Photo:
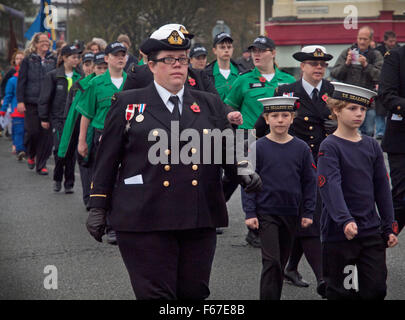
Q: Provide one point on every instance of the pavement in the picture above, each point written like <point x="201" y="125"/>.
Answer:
<point x="40" y="228"/>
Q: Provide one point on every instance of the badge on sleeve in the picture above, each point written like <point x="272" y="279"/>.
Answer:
<point x="321" y="181"/>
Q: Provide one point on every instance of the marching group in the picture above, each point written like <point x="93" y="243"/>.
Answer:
<point x="319" y="171"/>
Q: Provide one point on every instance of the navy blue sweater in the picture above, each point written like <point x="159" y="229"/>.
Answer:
<point x="288" y="174"/>
<point x="352" y="178"/>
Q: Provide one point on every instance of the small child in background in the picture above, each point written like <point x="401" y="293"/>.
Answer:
<point x="352" y="179"/>
<point x="286" y="167"/>
<point x="10" y="99"/>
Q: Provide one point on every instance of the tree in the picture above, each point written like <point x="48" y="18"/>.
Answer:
<point x="26" y="6"/>
<point x="138" y="19"/>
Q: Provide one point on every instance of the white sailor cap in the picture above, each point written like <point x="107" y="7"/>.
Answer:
<point x="315" y="52"/>
<point x="278" y="104"/>
<point x="353" y="94"/>
<point x="165" y="38"/>
<point x="179" y="27"/>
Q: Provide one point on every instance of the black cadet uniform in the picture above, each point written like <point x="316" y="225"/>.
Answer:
<point x="164" y="214"/>
<point x="392" y="93"/>
<point x="312" y="124"/>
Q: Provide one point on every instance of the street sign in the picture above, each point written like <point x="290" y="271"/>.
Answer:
<point x="220" y="27"/>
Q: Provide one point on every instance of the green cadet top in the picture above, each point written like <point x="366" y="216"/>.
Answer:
<point x="223" y="85"/>
<point x="95" y="103"/>
<point x="72" y="118"/>
<point x="248" y="88"/>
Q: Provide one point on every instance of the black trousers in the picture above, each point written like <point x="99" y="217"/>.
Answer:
<point x="276" y="236"/>
<point x="63" y="166"/>
<point x="85" y="177"/>
<point x="169" y="265"/>
<point x="37" y="140"/>
<point x="397" y="172"/>
<point x="368" y="254"/>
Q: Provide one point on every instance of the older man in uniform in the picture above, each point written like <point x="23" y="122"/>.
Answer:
<point x="392" y="94"/>
<point x="164" y="212"/>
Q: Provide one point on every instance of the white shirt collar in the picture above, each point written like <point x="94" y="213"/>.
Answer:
<point x="309" y="87"/>
<point x="165" y="95"/>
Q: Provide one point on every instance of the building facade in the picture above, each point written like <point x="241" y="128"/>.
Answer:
<point x="333" y="24"/>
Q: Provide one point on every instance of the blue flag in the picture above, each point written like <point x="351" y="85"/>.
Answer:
<point x="43" y="23"/>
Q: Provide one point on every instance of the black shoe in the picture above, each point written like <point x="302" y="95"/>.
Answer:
<point x="219" y="231"/>
<point x="252" y="238"/>
<point x="69" y="190"/>
<point x="57" y="186"/>
<point x="111" y="237"/>
<point x="295" y="278"/>
<point x="321" y="289"/>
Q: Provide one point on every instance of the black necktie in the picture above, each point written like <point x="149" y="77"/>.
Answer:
<point x="176" y="110"/>
<point x="315" y="96"/>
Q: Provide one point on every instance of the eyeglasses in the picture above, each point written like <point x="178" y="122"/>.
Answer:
<point x="323" y="64"/>
<point x="257" y="50"/>
<point x="170" y="60"/>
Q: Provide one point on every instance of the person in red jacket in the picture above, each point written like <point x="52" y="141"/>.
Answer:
<point x="10" y="100"/>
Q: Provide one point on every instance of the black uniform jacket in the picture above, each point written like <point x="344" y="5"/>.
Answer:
<point x="167" y="196"/>
<point x="54" y="93"/>
<point x="310" y="118"/>
<point x="392" y="94"/>
<point x="141" y="76"/>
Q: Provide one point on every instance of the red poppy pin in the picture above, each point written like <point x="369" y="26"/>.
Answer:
<point x="371" y="100"/>
<point x="195" y="107"/>
<point x="325" y="97"/>
<point x="191" y="81"/>
<point x="262" y="79"/>
<point x="297" y="104"/>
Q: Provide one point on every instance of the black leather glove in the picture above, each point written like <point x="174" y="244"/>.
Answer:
<point x="251" y="182"/>
<point x="96" y="223"/>
<point x="248" y="177"/>
<point x="330" y="126"/>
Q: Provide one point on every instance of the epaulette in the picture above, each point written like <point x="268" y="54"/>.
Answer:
<point x="244" y="72"/>
<point x="387" y="54"/>
<point x="114" y="98"/>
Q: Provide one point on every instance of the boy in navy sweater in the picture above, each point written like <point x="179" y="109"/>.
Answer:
<point x="352" y="178"/>
<point x="286" y="167"/>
